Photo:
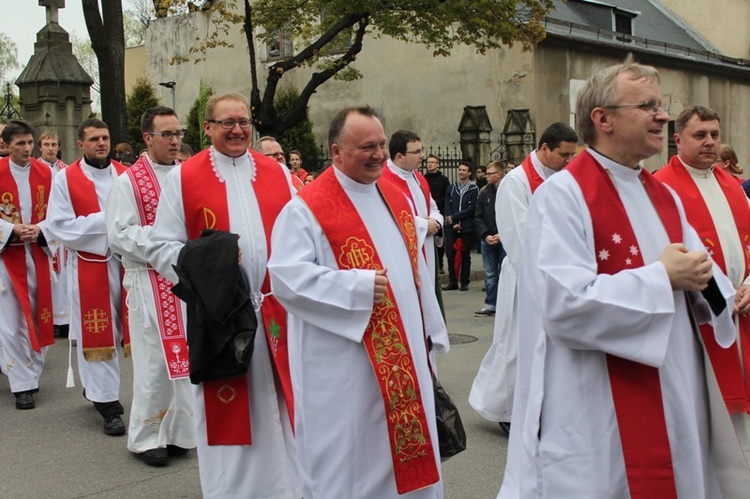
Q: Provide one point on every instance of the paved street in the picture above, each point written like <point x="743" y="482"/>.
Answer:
<point x="58" y="449"/>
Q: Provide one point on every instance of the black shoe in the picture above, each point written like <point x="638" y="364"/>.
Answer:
<point x="176" y="451"/>
<point x="24" y="400"/>
<point x="61" y="331"/>
<point x="450" y="287"/>
<point x="113" y="426"/>
<point x="154" y="457"/>
<point x="485" y="312"/>
<point x="505" y="428"/>
<point x="464" y="287"/>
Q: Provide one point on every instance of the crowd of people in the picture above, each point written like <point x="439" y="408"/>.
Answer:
<point x="284" y="323"/>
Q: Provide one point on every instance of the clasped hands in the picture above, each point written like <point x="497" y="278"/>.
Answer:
<point x="26" y="233"/>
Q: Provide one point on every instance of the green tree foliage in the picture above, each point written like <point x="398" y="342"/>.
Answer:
<point x="329" y="34"/>
<point x="141" y="98"/>
<point x="300" y="136"/>
<point x="194" y="135"/>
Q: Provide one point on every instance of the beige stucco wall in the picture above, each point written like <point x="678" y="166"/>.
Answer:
<point x="224" y="69"/>
<point x="409" y="87"/>
<point x="724" y="23"/>
<point x="414" y="90"/>
<point x="135" y="65"/>
<point x="680" y="88"/>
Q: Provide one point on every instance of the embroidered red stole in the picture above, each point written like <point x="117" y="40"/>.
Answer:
<point x="205" y="203"/>
<point x="146" y="191"/>
<point x="734" y="384"/>
<point x="403" y="185"/>
<point x="93" y="277"/>
<point x="636" y="389"/>
<point x="535" y="180"/>
<point x="385" y="338"/>
<point x="40" y="328"/>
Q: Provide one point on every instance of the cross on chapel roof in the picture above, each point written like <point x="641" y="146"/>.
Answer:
<point x="52" y="7"/>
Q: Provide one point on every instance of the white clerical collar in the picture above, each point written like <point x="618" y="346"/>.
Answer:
<point x="15" y="166"/>
<point x="404" y="174"/>
<point x="92" y="172"/>
<point x="617" y="170"/>
<point x="352" y="185"/>
<point x="154" y="164"/>
<point x="697" y="172"/>
<point x="218" y="159"/>
<point x="540" y="167"/>
<point x="51" y="165"/>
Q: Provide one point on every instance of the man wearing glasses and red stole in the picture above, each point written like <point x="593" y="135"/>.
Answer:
<point x="161" y="416"/>
<point x="613" y="398"/>
<point x="244" y="422"/>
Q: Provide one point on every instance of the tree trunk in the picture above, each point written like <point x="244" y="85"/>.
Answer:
<point x="108" y="41"/>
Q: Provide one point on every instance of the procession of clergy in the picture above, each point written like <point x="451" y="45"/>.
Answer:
<point x="312" y="314"/>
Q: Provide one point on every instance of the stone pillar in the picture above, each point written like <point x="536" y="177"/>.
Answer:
<point x="520" y="135"/>
<point x="475" y="131"/>
<point x="55" y="91"/>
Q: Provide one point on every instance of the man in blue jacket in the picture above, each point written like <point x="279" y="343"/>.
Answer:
<point x="460" y="202"/>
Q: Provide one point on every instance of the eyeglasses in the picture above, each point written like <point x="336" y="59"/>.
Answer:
<point x="418" y="151"/>
<point x="168" y="135"/>
<point x="492" y="173"/>
<point x="229" y="124"/>
<point x="651" y="106"/>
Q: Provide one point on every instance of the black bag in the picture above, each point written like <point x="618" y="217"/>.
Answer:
<point x="450" y="429"/>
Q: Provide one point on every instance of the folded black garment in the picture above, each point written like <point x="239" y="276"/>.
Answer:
<point x="221" y="320"/>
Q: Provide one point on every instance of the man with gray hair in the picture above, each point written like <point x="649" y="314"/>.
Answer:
<point x="613" y="398"/>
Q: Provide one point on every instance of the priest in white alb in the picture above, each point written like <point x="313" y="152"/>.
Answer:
<point x="494" y="385"/>
<point x="243" y="424"/>
<point x="719" y="212"/>
<point x="402" y="169"/>
<point x="25" y="287"/>
<point x="161" y="415"/>
<point x="98" y="318"/>
<point x="348" y="267"/>
<point x="620" y="399"/>
<point x="49" y="146"/>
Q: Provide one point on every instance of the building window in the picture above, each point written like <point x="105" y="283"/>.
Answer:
<point x="280" y="45"/>
<point x="623" y="23"/>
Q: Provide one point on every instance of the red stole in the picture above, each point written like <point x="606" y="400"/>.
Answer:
<point x="735" y="386"/>
<point x="205" y="203"/>
<point x="636" y="389"/>
<point x="403" y="185"/>
<point x="296" y="182"/>
<point x="97" y="330"/>
<point x="146" y="191"/>
<point x="385" y="338"/>
<point x="40" y="329"/>
<point x="535" y="180"/>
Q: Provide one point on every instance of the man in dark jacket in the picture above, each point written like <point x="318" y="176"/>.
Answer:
<point x="486" y="227"/>
<point x="439" y="185"/>
<point x="460" y="202"/>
